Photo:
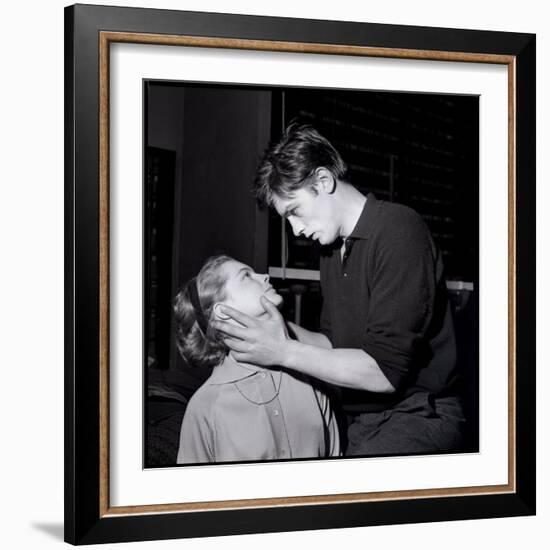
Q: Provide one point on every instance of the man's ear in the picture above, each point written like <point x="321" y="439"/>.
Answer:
<point x="218" y="313"/>
<point x="324" y="180"/>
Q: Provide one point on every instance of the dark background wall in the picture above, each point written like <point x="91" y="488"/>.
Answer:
<point x="416" y="149"/>
<point x="224" y="133"/>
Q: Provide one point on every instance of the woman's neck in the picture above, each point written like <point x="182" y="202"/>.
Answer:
<point x="249" y="366"/>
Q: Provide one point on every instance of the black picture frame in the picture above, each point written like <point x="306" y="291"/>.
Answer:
<point x="88" y="517"/>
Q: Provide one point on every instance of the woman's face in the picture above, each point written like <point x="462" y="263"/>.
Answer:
<point x="244" y="287"/>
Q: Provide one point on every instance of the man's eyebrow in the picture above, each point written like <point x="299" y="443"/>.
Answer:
<point x="288" y="209"/>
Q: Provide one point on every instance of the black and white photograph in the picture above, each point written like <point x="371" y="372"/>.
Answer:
<point x="311" y="265"/>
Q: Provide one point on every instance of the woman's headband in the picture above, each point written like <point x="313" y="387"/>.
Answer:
<point x="196" y="303"/>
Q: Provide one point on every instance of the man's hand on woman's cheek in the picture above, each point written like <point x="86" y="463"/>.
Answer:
<point x="257" y="340"/>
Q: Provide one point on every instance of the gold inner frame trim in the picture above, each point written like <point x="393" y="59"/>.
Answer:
<point x="512" y="274"/>
<point x="105" y="39"/>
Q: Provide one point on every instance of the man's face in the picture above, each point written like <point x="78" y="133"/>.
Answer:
<point x="310" y="213"/>
<point x="244" y="287"/>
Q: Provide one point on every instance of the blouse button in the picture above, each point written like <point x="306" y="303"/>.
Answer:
<point x="276" y="412"/>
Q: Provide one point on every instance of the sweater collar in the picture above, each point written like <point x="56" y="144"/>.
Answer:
<point x="230" y="371"/>
<point x="367" y="220"/>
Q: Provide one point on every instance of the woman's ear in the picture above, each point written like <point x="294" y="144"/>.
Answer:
<point x="218" y="313"/>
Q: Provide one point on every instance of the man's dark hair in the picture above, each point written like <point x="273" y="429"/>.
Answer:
<point x="288" y="165"/>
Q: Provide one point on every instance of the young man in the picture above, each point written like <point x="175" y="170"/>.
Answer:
<point x="387" y="337"/>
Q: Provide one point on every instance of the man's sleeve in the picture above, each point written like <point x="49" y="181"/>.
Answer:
<point x="403" y="292"/>
<point x="196" y="436"/>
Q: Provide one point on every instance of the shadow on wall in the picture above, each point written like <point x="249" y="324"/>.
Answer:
<point x="54" y="530"/>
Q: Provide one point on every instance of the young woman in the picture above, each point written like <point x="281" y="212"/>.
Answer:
<point x="244" y="412"/>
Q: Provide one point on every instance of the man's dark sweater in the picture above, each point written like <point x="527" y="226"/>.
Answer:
<point x="388" y="296"/>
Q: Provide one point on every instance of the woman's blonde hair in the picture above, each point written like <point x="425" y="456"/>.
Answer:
<point x="197" y="346"/>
